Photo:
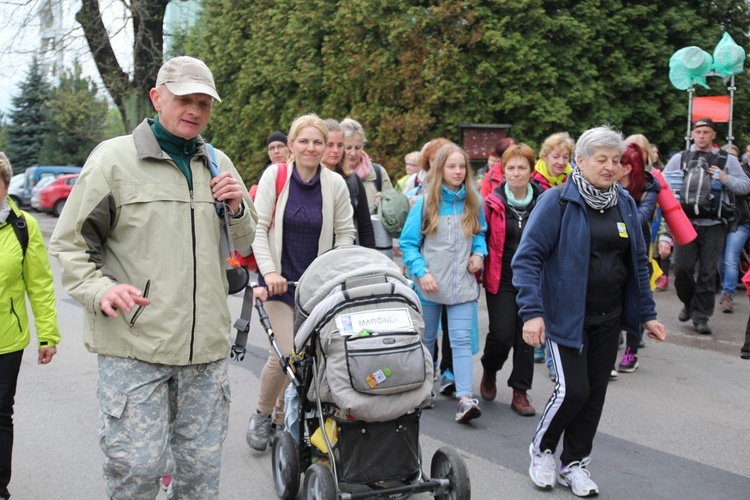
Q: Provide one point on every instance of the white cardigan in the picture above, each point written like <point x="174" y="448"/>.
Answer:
<point x="338" y="216"/>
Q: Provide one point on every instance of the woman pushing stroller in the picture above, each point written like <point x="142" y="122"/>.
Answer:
<point x="310" y="215"/>
<point x="443" y="245"/>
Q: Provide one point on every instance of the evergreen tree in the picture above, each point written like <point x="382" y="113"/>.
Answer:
<point x="77" y="118"/>
<point x="28" y="124"/>
<point x="411" y="70"/>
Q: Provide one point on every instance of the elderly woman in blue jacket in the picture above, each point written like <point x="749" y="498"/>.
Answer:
<point x="443" y="246"/>
<point x="582" y="276"/>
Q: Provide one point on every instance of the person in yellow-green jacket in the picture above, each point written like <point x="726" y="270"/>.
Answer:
<point x="23" y="271"/>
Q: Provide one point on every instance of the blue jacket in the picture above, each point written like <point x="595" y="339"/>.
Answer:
<point x="551" y="266"/>
<point x="447" y="252"/>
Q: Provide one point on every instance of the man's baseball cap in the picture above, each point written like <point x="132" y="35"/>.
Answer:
<point x="187" y="75"/>
<point x="704" y="122"/>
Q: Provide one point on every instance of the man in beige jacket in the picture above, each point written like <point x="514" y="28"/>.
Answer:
<point x="139" y="248"/>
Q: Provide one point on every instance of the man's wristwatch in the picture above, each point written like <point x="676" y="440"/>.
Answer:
<point x="240" y="213"/>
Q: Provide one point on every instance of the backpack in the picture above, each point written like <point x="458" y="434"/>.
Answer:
<point x="249" y="262"/>
<point x="394" y="208"/>
<point x="700" y="194"/>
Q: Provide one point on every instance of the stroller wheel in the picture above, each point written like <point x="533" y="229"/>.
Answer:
<point x="319" y="483"/>
<point x="285" y="463"/>
<point x="448" y="464"/>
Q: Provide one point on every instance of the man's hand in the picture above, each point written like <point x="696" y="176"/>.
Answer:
<point x="226" y="188"/>
<point x="122" y="296"/>
<point x="534" y="332"/>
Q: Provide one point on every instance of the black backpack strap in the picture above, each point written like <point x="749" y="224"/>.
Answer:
<point x="21" y="229"/>
<point x="378" y="177"/>
<point x="560" y="200"/>
<point x="239" y="348"/>
<point x="723" y="156"/>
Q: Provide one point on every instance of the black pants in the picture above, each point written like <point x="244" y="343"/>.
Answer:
<point x="506" y="333"/>
<point x="578" y="399"/>
<point x="10" y="365"/>
<point x="446" y="362"/>
<point x="698" y="295"/>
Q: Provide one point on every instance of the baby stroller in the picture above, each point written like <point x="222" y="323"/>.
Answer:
<point x="360" y="376"/>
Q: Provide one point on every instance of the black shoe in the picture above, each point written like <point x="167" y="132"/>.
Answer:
<point x="745" y="355"/>
<point x="684" y="315"/>
<point x="702" y="328"/>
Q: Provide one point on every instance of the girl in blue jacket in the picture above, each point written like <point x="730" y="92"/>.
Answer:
<point x="443" y="246"/>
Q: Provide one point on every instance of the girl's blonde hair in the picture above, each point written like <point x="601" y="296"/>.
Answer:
<point x="343" y="166"/>
<point x="470" y="217"/>
<point x="304" y="121"/>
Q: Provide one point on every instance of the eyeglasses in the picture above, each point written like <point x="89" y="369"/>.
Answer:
<point x="411" y="164"/>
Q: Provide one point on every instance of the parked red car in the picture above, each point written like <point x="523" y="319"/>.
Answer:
<point x="52" y="198"/>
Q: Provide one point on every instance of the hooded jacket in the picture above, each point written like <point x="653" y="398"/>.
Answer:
<point x="131" y="218"/>
<point x="494" y="211"/>
<point x="20" y="277"/>
<point x="446" y="253"/>
<point x="551" y="265"/>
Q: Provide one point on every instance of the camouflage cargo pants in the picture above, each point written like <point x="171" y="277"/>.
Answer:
<point x="156" y="420"/>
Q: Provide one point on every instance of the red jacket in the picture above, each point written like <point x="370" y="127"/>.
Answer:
<point x="494" y="212"/>
<point x="492" y="179"/>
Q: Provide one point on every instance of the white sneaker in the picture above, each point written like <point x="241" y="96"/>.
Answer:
<point x="543" y="468"/>
<point x="613" y="374"/>
<point x="468" y="409"/>
<point x="576" y="477"/>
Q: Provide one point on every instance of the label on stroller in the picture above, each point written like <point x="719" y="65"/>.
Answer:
<point x="374" y="321"/>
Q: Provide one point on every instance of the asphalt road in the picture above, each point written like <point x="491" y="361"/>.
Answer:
<point x="679" y="427"/>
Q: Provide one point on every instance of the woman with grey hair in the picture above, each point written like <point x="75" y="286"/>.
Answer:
<point x="582" y="277"/>
<point x="374" y="176"/>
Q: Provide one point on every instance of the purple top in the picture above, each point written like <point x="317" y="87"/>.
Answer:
<point x="303" y="221"/>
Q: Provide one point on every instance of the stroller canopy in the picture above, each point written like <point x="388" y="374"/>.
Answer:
<point x="332" y="269"/>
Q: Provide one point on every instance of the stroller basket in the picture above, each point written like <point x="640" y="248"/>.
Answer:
<point x="370" y="452"/>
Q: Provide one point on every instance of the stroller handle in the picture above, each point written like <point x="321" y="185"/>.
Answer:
<point x="266" y="323"/>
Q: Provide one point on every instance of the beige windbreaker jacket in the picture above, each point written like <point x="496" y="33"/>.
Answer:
<point x="131" y="218"/>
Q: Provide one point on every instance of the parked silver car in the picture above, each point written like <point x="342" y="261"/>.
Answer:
<point x="43" y="182"/>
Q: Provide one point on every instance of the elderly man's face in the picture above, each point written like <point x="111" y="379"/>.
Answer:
<point x="185" y="116"/>
<point x="601" y="168"/>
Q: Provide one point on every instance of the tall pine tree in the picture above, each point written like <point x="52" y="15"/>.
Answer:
<point x="28" y="126"/>
<point x="77" y="119"/>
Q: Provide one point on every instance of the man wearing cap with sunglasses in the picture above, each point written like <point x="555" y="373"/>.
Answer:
<point x="697" y="295"/>
<point x="139" y="248"/>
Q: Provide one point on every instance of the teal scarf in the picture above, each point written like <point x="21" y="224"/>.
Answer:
<point x="519" y="203"/>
